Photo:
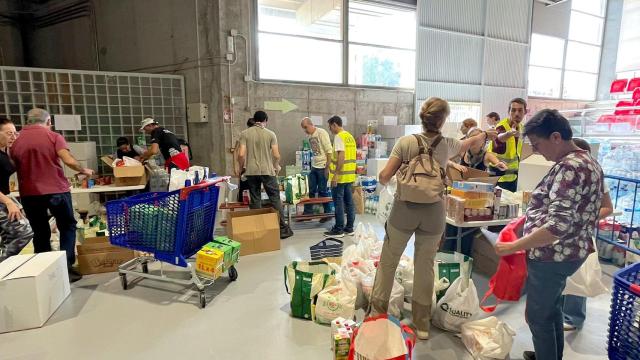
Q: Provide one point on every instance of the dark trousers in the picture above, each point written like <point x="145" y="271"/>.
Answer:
<point x="343" y="202"/>
<point x="270" y="184"/>
<point x="242" y="186"/>
<point x="317" y="188"/>
<point x="545" y="283"/>
<point x="451" y="243"/>
<point x="60" y="206"/>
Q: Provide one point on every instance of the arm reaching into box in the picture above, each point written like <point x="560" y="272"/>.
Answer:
<point x="71" y="162"/>
<point x="153" y="150"/>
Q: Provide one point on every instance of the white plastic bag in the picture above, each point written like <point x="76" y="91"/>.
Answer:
<point x="439" y="285"/>
<point x="366" y="242"/>
<point x="457" y="306"/>
<point x="396" y="301"/>
<point x="127" y="161"/>
<point x="404" y="275"/>
<point x="488" y="338"/>
<point x="385" y="201"/>
<point x="178" y="177"/>
<point x="336" y="301"/>
<point x="587" y="281"/>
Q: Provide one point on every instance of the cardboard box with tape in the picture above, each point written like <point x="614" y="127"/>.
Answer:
<point x="96" y="255"/>
<point x="257" y="230"/>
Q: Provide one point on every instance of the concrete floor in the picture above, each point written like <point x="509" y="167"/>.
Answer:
<point x="247" y="319"/>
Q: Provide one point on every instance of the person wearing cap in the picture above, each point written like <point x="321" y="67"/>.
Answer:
<point x="259" y="155"/>
<point x="43" y="187"/>
<point x="165" y="142"/>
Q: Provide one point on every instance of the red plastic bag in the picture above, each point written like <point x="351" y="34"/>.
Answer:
<point x="180" y="160"/>
<point x="385" y="337"/>
<point x="507" y="283"/>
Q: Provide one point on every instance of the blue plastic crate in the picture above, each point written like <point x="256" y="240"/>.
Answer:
<point x="171" y="225"/>
<point x="624" y="323"/>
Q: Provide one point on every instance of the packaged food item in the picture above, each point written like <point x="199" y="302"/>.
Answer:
<point x="209" y="263"/>
<point x="473" y="186"/>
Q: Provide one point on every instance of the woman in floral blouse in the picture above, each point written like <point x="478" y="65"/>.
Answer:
<point x="558" y="232"/>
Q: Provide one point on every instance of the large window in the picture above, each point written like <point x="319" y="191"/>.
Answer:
<point x="568" y="68"/>
<point x="628" y="65"/>
<point x="305" y="41"/>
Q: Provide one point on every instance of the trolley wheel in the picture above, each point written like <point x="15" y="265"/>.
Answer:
<point x="123" y="281"/>
<point x="203" y="300"/>
<point x="145" y="267"/>
<point x="233" y="273"/>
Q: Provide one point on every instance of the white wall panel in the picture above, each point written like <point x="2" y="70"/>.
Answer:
<point x="451" y="92"/>
<point x="448" y="57"/>
<point x="465" y="16"/>
<point x="509" y="19"/>
<point x="504" y="64"/>
<point x="497" y="99"/>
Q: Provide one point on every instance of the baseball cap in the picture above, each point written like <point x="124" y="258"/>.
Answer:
<point x="147" y="121"/>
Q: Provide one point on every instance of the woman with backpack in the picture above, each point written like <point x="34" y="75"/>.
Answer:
<point x="418" y="161"/>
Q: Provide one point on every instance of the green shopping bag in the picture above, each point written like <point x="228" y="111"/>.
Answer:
<point x="452" y="265"/>
<point x="304" y="280"/>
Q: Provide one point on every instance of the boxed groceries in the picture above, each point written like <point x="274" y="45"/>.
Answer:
<point x="235" y="247"/>
<point x="209" y="262"/>
<point x="473" y="186"/>
<point x="32" y="288"/>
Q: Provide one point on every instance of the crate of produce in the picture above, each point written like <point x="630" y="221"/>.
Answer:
<point x="624" y="322"/>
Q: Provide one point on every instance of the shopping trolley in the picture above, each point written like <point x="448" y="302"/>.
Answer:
<point x="171" y="226"/>
<point x="624" y="322"/>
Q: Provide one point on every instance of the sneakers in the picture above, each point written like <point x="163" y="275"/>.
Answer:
<point x="286" y="233"/>
<point x="529" y="355"/>
<point x="569" y="327"/>
<point x="334" y="234"/>
<point x="350" y="233"/>
<point x="422" y="335"/>
<point x="74" y="275"/>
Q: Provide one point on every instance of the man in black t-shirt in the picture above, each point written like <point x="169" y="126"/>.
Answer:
<point x="165" y="142"/>
<point x="15" y="231"/>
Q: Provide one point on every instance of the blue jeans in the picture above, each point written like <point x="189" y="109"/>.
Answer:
<point x="343" y="201"/>
<point x="545" y="283"/>
<point x="575" y="310"/>
<point x="317" y="188"/>
<point x="35" y="207"/>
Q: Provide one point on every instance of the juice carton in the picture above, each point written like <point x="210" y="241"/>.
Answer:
<point x="208" y="262"/>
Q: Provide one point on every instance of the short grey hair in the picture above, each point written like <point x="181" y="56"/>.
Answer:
<point x="38" y="116"/>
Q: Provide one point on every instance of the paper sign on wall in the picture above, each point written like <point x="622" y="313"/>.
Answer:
<point x="67" y="122"/>
<point x="344" y="121"/>
<point x="390" y="120"/>
<point x="316" y="120"/>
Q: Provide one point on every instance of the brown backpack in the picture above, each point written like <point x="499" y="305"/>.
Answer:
<point x="421" y="180"/>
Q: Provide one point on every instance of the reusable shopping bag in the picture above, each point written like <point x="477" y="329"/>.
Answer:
<point x="458" y="305"/>
<point x="382" y="337"/>
<point x="488" y="338"/>
<point x="507" y="283"/>
<point x="439" y="285"/>
<point x="295" y="188"/>
<point x="336" y="301"/>
<point x="587" y="281"/>
<point x="385" y="200"/>
<point x="329" y="247"/>
<point x="304" y="280"/>
<point x="358" y="199"/>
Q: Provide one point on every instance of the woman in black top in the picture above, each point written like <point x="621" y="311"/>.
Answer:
<point x="125" y="149"/>
<point x="477" y="157"/>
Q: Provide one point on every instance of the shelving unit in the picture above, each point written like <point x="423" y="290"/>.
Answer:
<point x="111" y="104"/>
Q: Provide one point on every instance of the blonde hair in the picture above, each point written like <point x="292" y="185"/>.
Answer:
<point x="434" y="113"/>
<point x="469" y="123"/>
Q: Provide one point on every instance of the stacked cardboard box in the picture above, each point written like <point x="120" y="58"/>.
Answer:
<point x="341" y="334"/>
<point x="471" y="201"/>
<point x="96" y="255"/>
<point x="209" y="262"/>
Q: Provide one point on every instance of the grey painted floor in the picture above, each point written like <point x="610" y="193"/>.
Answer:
<point x="247" y="319"/>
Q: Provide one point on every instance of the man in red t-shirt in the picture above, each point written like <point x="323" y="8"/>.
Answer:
<point x="37" y="153"/>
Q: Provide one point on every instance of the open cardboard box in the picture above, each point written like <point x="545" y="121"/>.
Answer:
<point x="127" y="175"/>
<point x="471" y="175"/>
<point x="257" y="230"/>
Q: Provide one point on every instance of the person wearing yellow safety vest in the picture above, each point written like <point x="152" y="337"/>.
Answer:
<point x="342" y="175"/>
<point x="508" y="145"/>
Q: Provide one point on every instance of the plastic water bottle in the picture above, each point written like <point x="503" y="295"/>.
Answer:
<point x="196" y="179"/>
<point x="187" y="183"/>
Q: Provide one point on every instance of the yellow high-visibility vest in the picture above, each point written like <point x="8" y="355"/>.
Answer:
<point x="511" y="156"/>
<point x="348" y="173"/>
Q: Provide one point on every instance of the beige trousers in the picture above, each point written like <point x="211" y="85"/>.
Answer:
<point x="427" y="221"/>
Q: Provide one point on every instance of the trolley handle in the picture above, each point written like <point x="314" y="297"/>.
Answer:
<point x="184" y="192"/>
<point x="635" y="288"/>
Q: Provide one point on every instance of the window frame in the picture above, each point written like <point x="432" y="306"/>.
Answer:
<point x="564" y="69"/>
<point x="254" y="21"/>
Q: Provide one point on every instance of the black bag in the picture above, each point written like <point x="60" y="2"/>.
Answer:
<point x="328" y="247"/>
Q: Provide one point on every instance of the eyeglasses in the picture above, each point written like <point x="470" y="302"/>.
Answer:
<point x="11" y="134"/>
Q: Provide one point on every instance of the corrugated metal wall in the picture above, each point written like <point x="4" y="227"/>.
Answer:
<point x="473" y="51"/>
